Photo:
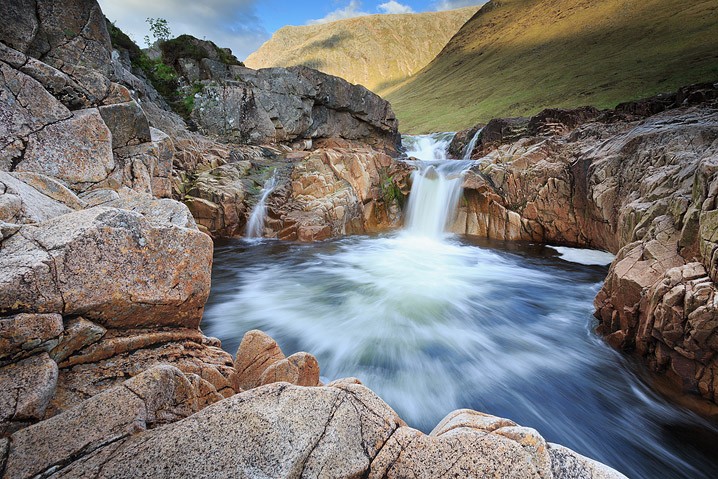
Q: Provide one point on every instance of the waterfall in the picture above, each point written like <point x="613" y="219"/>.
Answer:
<point x="255" y="225"/>
<point x="436" y="185"/>
<point x="472" y="144"/>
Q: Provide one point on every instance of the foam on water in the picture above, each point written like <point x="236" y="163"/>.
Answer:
<point x="584" y="256"/>
<point x="433" y="323"/>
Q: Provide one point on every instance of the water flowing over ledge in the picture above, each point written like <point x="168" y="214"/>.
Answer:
<point x="433" y="323"/>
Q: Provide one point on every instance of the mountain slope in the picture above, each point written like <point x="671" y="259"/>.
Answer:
<point x="516" y="57"/>
<point x="376" y="51"/>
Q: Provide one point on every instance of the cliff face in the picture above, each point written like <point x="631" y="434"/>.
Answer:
<point x="103" y="369"/>
<point x="377" y="51"/>
<point x="639" y="181"/>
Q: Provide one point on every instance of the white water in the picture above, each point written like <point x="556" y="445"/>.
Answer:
<point x="433" y="323"/>
<point x="436" y="185"/>
<point x="472" y="144"/>
<point x="255" y="225"/>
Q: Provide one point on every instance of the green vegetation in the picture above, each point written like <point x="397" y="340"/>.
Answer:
<point x="389" y="189"/>
<point x="187" y="46"/>
<point x="160" y="30"/>
<point x="162" y="72"/>
<point x="516" y="57"/>
<point x="189" y="97"/>
<point x="377" y="51"/>
<point x="121" y="41"/>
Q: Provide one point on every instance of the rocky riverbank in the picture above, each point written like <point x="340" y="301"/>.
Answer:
<point x="103" y="368"/>
<point x="639" y="181"/>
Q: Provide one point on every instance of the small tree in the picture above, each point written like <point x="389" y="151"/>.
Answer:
<point x="160" y="30"/>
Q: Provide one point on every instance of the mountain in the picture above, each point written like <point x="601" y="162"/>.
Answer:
<point x="377" y="51"/>
<point x="516" y="57"/>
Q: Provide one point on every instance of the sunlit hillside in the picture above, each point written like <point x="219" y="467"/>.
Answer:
<point x="377" y="51"/>
<point x="516" y="57"/>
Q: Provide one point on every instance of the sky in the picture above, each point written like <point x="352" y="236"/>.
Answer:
<point x="243" y="25"/>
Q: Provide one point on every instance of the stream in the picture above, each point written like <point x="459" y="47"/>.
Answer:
<point x="434" y="322"/>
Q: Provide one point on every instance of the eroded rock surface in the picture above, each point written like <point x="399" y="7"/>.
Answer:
<point x="639" y="181"/>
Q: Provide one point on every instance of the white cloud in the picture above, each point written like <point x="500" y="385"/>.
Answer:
<point x="228" y="23"/>
<point x="350" y="11"/>
<point x="393" y="6"/>
<point x="452" y="4"/>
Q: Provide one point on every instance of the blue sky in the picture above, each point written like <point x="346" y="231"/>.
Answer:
<point x="243" y="25"/>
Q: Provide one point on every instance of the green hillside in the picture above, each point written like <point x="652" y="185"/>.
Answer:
<point x="377" y="51"/>
<point x="516" y="57"/>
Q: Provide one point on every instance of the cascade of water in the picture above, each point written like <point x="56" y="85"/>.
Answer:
<point x="436" y="185"/>
<point x="472" y="144"/>
<point x="255" y="225"/>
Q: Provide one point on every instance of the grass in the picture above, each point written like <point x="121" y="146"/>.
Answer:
<point x="517" y="57"/>
<point x="376" y="51"/>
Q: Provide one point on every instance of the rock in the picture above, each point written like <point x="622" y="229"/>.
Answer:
<point x="218" y="198"/>
<point x="51" y="188"/>
<point x="552" y="121"/>
<point x="111" y="266"/>
<point x="301" y="369"/>
<point x="148" y="400"/>
<point x="122" y="354"/>
<point x="77" y="150"/>
<point x="24" y="335"/>
<point x="260" y="361"/>
<point x="78" y="334"/>
<point x="127" y="123"/>
<point x="26" y="108"/>
<point x="26" y="388"/>
<point x="287" y="105"/>
<point x="466" y="444"/>
<point x="307" y="367"/>
<point x="567" y="464"/>
<point x="256" y="353"/>
<point x="22" y="203"/>
<point x="284" y="431"/>
<point x="161" y="211"/>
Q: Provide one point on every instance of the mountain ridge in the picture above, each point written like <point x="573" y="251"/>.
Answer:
<point x="516" y="57"/>
<point x="369" y="50"/>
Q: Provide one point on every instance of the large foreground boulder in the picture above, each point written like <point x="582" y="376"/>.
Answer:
<point x="110" y="265"/>
<point x="278" y="430"/>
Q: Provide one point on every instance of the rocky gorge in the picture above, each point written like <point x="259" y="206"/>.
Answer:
<point x="638" y="181"/>
<point x="108" y="205"/>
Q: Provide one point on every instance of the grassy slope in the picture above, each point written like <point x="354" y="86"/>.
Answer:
<point x="516" y="57"/>
<point x="376" y="51"/>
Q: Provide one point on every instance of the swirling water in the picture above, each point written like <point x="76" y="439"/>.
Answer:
<point x="433" y="323"/>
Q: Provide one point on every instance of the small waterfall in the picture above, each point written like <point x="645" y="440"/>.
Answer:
<point x="472" y="144"/>
<point x="436" y="185"/>
<point x="255" y="225"/>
